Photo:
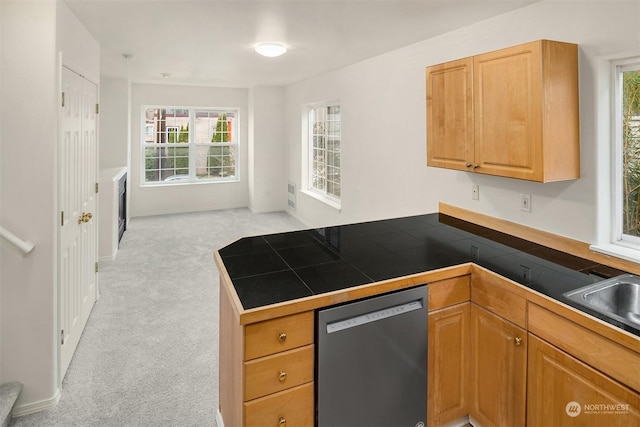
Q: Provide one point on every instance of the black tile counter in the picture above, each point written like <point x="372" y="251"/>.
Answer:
<point x="282" y="267"/>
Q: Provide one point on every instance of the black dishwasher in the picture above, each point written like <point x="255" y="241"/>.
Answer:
<point x="372" y="362"/>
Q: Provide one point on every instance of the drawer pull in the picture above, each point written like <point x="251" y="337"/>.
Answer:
<point x="282" y="422"/>
<point x="517" y="340"/>
<point x="282" y="337"/>
<point x="282" y="376"/>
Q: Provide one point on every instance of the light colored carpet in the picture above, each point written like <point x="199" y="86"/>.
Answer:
<point x="149" y="353"/>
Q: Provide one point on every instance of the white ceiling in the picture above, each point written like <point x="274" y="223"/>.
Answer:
<point x="210" y="42"/>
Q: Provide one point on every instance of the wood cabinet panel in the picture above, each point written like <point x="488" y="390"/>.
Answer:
<point x="507" y="99"/>
<point x="450" y="114"/>
<point x="444" y="293"/>
<point x="448" y="362"/>
<point x="230" y="358"/>
<point x="563" y="391"/>
<point x="498" y="369"/>
<point x="279" y="334"/>
<point x="271" y="374"/>
<point x="524" y="119"/>
<point x="293" y="407"/>
<point x="492" y="294"/>
<point x="603" y="354"/>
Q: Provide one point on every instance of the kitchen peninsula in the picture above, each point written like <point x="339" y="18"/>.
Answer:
<point x="485" y="286"/>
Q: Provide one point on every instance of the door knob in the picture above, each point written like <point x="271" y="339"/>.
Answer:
<point x="517" y="340"/>
<point x="85" y="217"/>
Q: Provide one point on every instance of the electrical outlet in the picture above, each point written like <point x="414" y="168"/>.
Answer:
<point x="525" y="274"/>
<point x="525" y="202"/>
<point x="475" y="253"/>
<point x="475" y="192"/>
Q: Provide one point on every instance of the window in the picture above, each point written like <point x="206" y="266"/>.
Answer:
<point x="627" y="131"/>
<point x="189" y="145"/>
<point x="324" y="151"/>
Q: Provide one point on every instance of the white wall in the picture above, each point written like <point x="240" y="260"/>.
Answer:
<point x="267" y="149"/>
<point x="384" y="171"/>
<point x="114" y="122"/>
<point x="32" y="34"/>
<point x="80" y="51"/>
<point x="27" y="346"/>
<point x="186" y="198"/>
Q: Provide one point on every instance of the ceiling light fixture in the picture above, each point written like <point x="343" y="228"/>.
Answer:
<point x="271" y="50"/>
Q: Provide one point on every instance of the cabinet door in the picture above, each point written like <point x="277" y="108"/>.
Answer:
<point x="448" y="364"/>
<point x="450" y="115"/>
<point x="508" y="126"/>
<point x="565" y="392"/>
<point x="498" y="369"/>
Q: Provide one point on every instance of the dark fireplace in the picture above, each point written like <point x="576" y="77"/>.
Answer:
<point x="122" y="206"/>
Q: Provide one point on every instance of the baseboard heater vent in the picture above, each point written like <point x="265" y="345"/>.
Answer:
<point x="291" y="193"/>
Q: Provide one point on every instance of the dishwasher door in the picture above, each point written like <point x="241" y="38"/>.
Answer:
<point x="372" y="362"/>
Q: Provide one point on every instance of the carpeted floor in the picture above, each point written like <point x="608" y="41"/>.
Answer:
<point x="149" y="353"/>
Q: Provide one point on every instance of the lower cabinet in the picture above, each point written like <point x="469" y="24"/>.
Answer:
<point x="562" y="391"/>
<point x="498" y="370"/>
<point x="448" y="372"/>
<point x="292" y="407"/>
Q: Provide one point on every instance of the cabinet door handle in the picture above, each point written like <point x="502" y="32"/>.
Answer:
<point x="476" y="166"/>
<point x="282" y="422"/>
<point x="468" y="165"/>
<point x="282" y="376"/>
<point x="282" y="337"/>
<point x="517" y="341"/>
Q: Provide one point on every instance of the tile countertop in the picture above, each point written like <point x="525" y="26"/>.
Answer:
<point x="282" y="267"/>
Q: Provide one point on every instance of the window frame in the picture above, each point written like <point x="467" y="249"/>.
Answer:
<point x="308" y="188"/>
<point x="611" y="242"/>
<point x="192" y="146"/>
<point x="619" y="238"/>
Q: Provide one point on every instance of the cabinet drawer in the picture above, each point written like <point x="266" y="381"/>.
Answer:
<point x="271" y="374"/>
<point x="495" y="297"/>
<point x="293" y="407"/>
<point x="281" y="334"/>
<point x="444" y="293"/>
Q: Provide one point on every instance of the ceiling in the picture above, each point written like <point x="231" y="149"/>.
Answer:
<point x="210" y="42"/>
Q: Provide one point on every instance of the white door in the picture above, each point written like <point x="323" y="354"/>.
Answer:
<point x="77" y="200"/>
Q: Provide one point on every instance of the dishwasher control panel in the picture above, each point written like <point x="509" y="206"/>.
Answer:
<point x="373" y="316"/>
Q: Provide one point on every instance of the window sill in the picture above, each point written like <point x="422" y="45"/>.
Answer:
<point x="619" y="251"/>
<point x="331" y="203"/>
<point x="185" y="183"/>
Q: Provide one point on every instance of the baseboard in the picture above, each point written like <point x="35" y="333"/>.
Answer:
<point x="41" y="405"/>
<point x="219" y="420"/>
<point x="298" y="218"/>
<point x="108" y="257"/>
<point x="473" y="422"/>
<point x="256" y="210"/>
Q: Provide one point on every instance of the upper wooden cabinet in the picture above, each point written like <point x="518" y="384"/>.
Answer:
<point x="512" y="112"/>
<point x="450" y="114"/>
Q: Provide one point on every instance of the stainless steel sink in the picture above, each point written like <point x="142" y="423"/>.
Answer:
<point x="617" y="298"/>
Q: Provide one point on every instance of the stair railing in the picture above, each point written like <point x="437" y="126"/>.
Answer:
<point x="25" y="246"/>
